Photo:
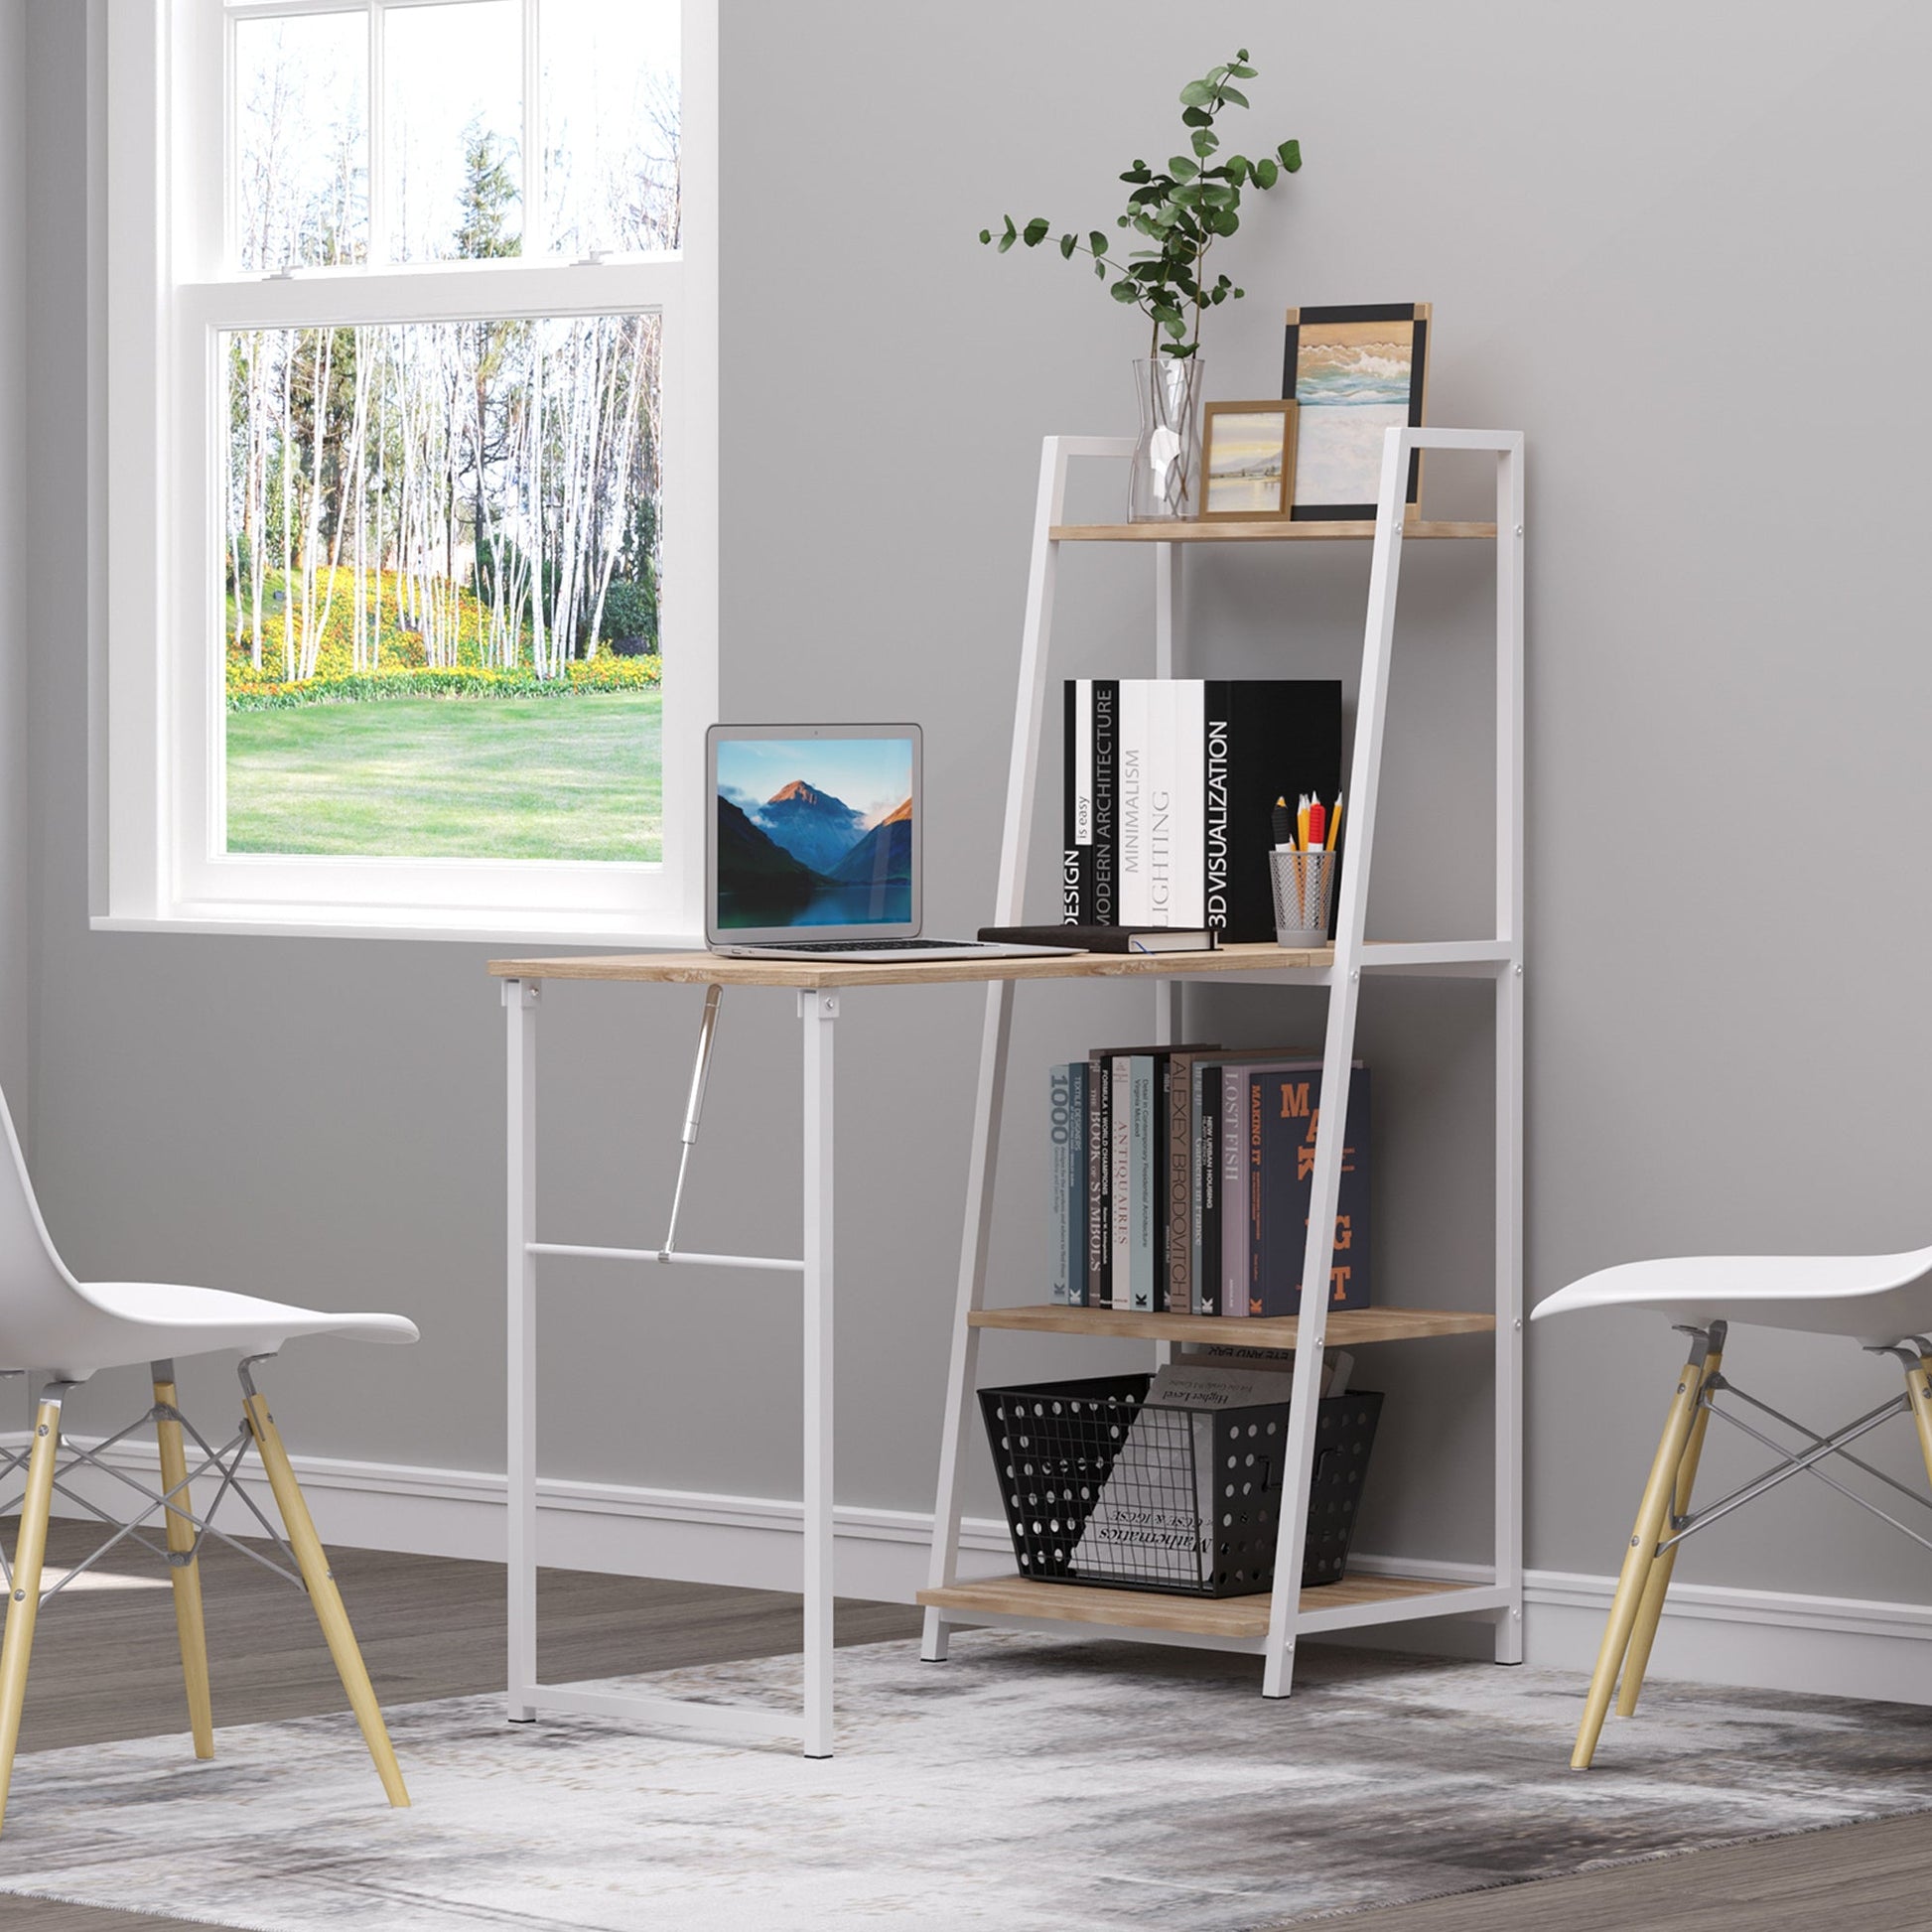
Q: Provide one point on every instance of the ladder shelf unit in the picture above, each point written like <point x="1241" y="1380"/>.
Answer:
<point x="1266" y="1625"/>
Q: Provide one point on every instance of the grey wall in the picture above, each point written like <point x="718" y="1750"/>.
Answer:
<point x="1681" y="247"/>
<point x="16" y="802"/>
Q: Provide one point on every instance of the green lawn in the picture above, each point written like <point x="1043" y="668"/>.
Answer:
<point x="579" y="777"/>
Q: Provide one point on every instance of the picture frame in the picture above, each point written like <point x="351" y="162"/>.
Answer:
<point x="1247" y="460"/>
<point x="1353" y="372"/>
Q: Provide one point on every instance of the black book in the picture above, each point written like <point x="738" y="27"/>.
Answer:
<point x="1102" y="907"/>
<point x="1281" y="1183"/>
<point x="1207" y="1214"/>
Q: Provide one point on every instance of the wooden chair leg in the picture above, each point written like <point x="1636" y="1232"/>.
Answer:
<point x="1919" y="1389"/>
<point x="1639" y="1557"/>
<point x="323" y="1593"/>
<point x="185" y="1576"/>
<point x="29" y="1552"/>
<point x="1657" y="1585"/>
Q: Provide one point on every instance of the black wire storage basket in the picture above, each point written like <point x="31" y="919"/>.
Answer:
<point x="1102" y="1486"/>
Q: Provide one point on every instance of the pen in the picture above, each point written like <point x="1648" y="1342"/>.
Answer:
<point x="1280" y="822"/>
<point x="1317" y="826"/>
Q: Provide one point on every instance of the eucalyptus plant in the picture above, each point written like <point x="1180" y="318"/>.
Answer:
<point x="1181" y="211"/>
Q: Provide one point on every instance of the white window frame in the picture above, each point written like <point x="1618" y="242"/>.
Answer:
<point x="169" y="291"/>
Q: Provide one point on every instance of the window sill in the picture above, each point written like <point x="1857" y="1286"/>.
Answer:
<point x="478" y="928"/>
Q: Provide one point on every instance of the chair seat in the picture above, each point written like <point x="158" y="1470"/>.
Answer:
<point x="1873" y="1299"/>
<point x="120" y="1323"/>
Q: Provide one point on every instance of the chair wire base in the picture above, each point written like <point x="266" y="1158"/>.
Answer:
<point x="159" y="1503"/>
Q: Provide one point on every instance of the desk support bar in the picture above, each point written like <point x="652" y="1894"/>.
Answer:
<point x="693" y="1110"/>
<point x="687" y="1260"/>
<point x="816" y="1013"/>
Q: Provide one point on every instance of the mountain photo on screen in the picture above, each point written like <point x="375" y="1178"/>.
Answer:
<point x="814" y="832"/>
<point x="1357" y="373"/>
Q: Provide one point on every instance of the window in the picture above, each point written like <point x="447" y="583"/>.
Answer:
<point x="412" y="433"/>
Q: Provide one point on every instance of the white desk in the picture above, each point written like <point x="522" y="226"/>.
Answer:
<point x="818" y="988"/>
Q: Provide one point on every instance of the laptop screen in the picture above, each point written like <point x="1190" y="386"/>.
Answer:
<point x="814" y="826"/>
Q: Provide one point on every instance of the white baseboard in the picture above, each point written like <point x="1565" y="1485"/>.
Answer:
<point x="1773" y="1639"/>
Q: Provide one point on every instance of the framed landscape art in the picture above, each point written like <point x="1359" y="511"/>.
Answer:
<point x="1247" y="460"/>
<point x="1352" y="374"/>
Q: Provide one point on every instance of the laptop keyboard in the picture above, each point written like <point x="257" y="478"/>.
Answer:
<point x="874" y="945"/>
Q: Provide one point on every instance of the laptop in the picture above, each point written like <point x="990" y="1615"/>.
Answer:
<point x="812" y="844"/>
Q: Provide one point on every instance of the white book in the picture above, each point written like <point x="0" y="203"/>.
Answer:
<point x="1190" y="808"/>
<point x="1130" y="766"/>
<point x="1157" y="810"/>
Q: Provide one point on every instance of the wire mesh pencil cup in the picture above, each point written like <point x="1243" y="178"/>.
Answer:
<point x="1305" y="890"/>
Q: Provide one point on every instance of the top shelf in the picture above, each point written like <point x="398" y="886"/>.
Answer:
<point x="1272" y="530"/>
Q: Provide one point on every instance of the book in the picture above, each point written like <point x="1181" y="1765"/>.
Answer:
<point x="1285" y="1112"/>
<point x="1101" y="905"/>
<point x="1229" y="1242"/>
<point x="1108" y="939"/>
<point x="1100" y="1143"/>
<point x="1076" y="1186"/>
<point x="1143" y="1151"/>
<point x="1205" y="1285"/>
<point x="1068" y="1182"/>
<point x="1338" y="1364"/>
<point x="1179" y="777"/>
<point x="1076" y="867"/>
<point x="1120" y="1243"/>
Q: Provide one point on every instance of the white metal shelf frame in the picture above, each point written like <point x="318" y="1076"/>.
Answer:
<point x="1500" y="957"/>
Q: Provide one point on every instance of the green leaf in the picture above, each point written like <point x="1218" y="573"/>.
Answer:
<point x="1241" y="73"/>
<point x="986" y="234"/>
<point x="1011" y="229"/>
<point x="1218" y="298"/>
<point x="1175" y="327"/>
<point x="1067" y="246"/>
<point x="1125" y="292"/>
<point x="1198" y="93"/>
<point x="1266" y="174"/>
<point x="1180" y="168"/>
<point x="1238" y="294"/>
<point x="1239" y="167"/>
<point x="1290" y="154"/>
<point x="1035" y="230"/>
<point x="1234" y="94"/>
<point x="1205" y="142"/>
<point x="1100" y="271"/>
<point x="1197" y="117"/>
<point x="1007" y="240"/>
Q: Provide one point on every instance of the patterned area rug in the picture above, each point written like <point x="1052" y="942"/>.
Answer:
<point x="1030" y="1784"/>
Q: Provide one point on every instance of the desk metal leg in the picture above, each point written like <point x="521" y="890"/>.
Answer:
<point x="817" y="1013"/>
<point x="520" y="1005"/>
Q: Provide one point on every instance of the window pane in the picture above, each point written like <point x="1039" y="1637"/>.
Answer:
<point x="441" y="562"/>
<point x="611" y="124"/>
<point x="453" y="103"/>
<point x="301" y="189"/>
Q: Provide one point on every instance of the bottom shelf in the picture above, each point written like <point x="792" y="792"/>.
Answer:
<point x="1236" y="1622"/>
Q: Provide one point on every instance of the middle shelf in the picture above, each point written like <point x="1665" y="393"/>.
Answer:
<point x="1346" y="1328"/>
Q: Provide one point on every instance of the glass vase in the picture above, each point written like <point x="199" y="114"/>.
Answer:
<point x="1164" y="480"/>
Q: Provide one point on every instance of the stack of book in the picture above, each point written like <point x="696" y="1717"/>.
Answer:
<point x="1170" y="787"/>
<point x="1181" y="1179"/>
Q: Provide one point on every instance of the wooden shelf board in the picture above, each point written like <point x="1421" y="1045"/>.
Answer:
<point x="1240" y="1618"/>
<point x="1272" y="530"/>
<point x="1347" y="1327"/>
<point x="698" y="967"/>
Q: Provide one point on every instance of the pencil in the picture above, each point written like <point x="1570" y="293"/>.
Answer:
<point x="1335" y="822"/>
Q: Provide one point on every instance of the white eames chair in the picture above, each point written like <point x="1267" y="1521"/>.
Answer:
<point x="67" y="1330"/>
<point x="1882" y="1303"/>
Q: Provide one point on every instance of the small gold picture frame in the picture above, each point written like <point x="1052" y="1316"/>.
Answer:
<point x="1247" y="460"/>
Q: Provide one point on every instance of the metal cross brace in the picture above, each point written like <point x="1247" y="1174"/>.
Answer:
<point x="228" y="1459"/>
<point x="1791" y="1464"/>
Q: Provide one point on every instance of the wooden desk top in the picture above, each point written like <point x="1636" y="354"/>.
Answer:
<point x="700" y="968"/>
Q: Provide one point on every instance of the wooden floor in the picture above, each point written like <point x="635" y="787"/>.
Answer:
<point x="106" y="1667"/>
